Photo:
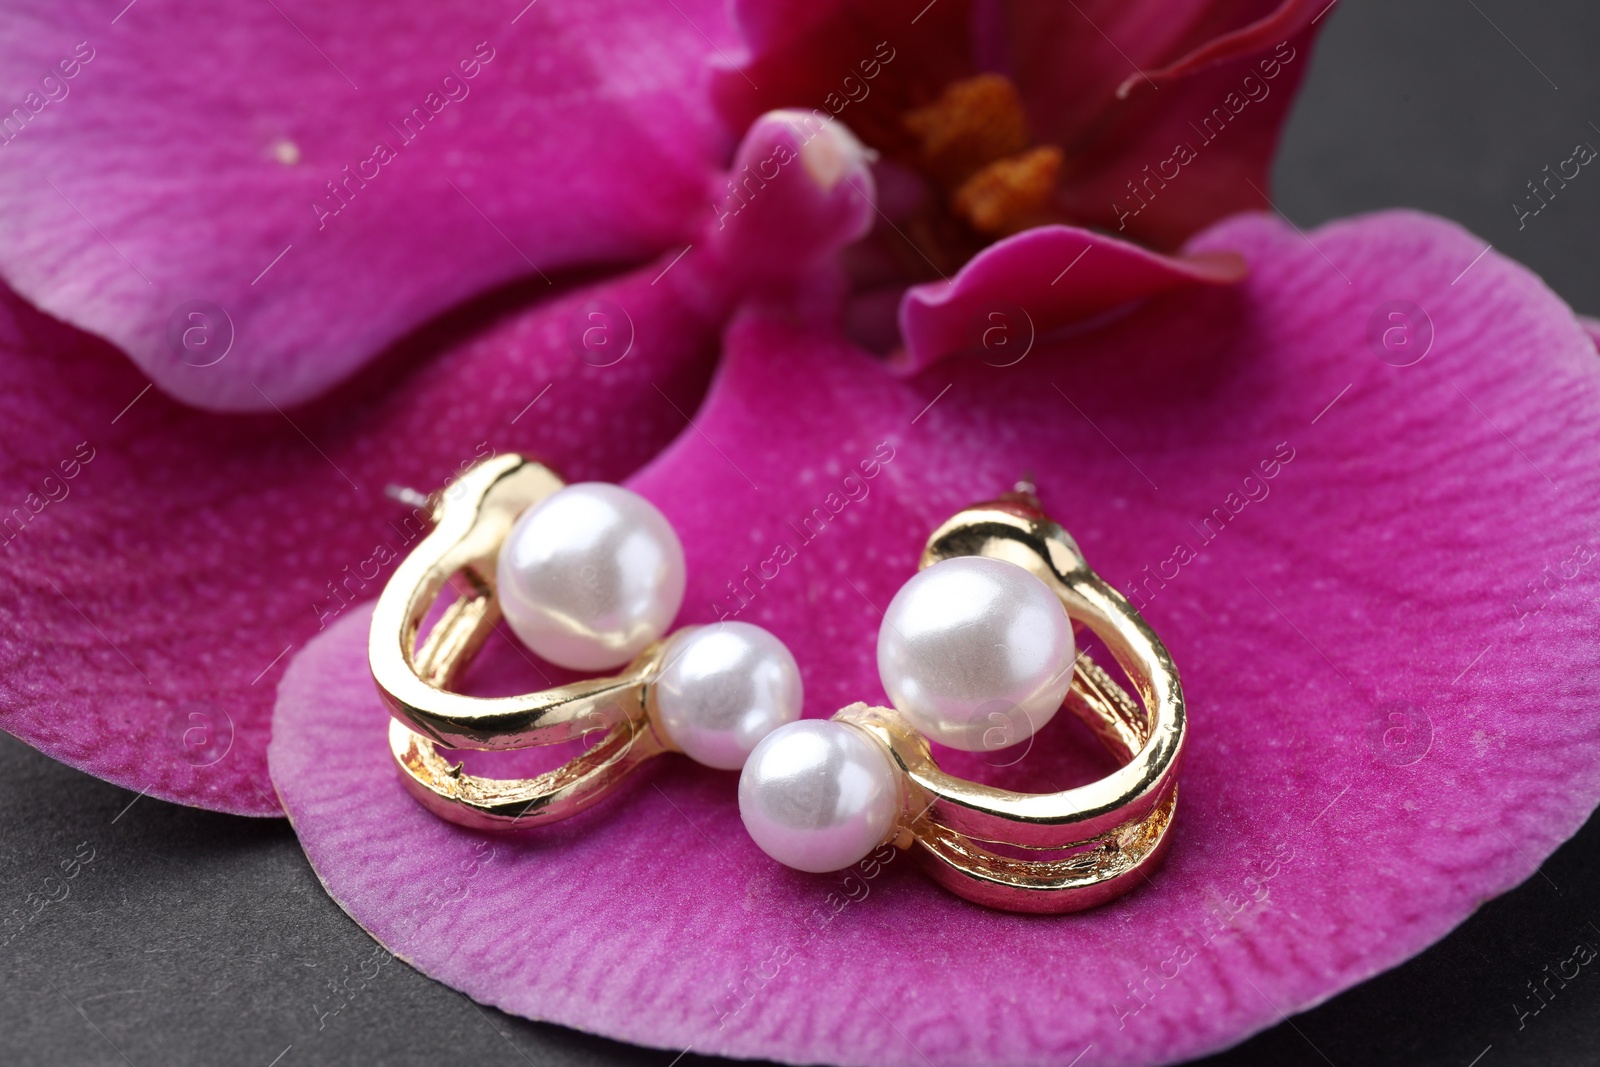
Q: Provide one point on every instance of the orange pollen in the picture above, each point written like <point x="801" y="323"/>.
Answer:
<point x="1011" y="194"/>
<point x="974" y="122"/>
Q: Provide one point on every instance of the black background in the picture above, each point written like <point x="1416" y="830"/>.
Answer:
<point x="202" y="938"/>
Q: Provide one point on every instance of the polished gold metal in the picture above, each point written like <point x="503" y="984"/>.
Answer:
<point x="472" y="517"/>
<point x="1048" y="852"/>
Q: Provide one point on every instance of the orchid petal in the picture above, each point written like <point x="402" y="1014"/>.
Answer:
<point x="313" y="182"/>
<point x="1288" y="19"/>
<point x="1386" y="485"/>
<point x="1591" y="326"/>
<point x="163" y="564"/>
<point x="1021" y="288"/>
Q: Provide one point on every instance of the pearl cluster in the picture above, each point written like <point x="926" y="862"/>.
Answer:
<point x="976" y="653"/>
<point x="594" y="574"/>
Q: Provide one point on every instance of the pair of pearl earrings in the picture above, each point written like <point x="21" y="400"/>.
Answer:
<point x="977" y="651"/>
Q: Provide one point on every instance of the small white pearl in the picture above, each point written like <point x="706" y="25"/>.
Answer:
<point x="590" y="576"/>
<point x="722" y="689"/>
<point x="976" y="652"/>
<point x="818" y="795"/>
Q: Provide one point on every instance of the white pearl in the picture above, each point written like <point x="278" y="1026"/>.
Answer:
<point x="723" y="688"/>
<point x="818" y="795"/>
<point x="976" y="652"/>
<point x="590" y="576"/>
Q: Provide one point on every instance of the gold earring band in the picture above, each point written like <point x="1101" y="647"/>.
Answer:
<point x="1053" y="852"/>
<point x="676" y="695"/>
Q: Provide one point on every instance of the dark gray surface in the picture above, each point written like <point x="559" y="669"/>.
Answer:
<point x="200" y="938"/>
<point x="1453" y="106"/>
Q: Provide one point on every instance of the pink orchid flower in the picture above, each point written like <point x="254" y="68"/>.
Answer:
<point x="1308" y="497"/>
<point x="1391" y="676"/>
<point x="1017" y="139"/>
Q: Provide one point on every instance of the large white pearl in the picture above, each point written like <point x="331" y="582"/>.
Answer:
<point x="723" y="688"/>
<point x="977" y="653"/>
<point x="818" y="795"/>
<point x="590" y="575"/>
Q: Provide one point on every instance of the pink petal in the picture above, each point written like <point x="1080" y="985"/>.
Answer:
<point x="1388" y="655"/>
<point x="1283" y="22"/>
<point x="1073" y="64"/>
<point x="1591" y="326"/>
<point x="800" y="188"/>
<point x="178" y="172"/>
<point x="154" y="606"/>
<point x="1020" y="288"/>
